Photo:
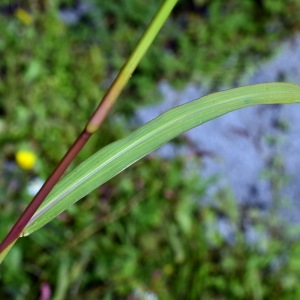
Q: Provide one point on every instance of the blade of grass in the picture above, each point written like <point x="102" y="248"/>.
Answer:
<point x="117" y="156"/>
<point x="95" y="121"/>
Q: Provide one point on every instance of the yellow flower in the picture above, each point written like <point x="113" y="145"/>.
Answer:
<point x="25" y="159"/>
<point x="23" y="16"/>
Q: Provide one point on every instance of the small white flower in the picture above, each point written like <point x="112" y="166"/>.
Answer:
<point x="144" y="295"/>
<point x="34" y="186"/>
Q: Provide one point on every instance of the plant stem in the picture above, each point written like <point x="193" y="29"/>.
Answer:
<point x="130" y="65"/>
<point x="94" y="122"/>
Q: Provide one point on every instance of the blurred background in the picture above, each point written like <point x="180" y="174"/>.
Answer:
<point x="201" y="218"/>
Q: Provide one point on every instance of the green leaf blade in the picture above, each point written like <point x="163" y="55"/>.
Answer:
<point x="114" y="158"/>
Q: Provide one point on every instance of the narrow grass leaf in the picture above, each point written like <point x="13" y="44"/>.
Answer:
<point x="114" y="158"/>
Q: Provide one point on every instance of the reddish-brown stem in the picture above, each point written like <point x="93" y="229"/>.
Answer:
<point x="95" y="121"/>
<point x="16" y="230"/>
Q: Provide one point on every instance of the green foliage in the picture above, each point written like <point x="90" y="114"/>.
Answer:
<point x="46" y="77"/>
<point x="222" y="38"/>
<point x="50" y="70"/>
<point x="147" y="233"/>
<point x="144" y="230"/>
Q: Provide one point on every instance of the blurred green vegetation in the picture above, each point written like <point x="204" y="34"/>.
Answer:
<point x="143" y="231"/>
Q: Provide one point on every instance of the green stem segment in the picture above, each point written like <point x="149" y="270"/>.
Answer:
<point x="94" y="123"/>
<point x="129" y="66"/>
